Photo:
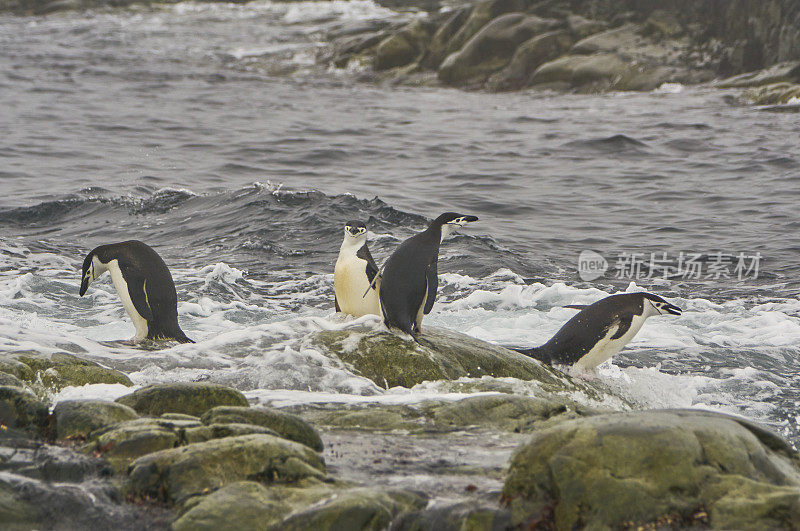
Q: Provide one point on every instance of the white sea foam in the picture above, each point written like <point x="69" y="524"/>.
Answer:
<point x="256" y="335"/>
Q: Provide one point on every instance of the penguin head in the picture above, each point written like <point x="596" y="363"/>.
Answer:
<point x="355" y="232"/>
<point x="92" y="268"/>
<point x="659" y="306"/>
<point x="450" y="221"/>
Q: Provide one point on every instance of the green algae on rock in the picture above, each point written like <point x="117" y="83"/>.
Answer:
<point x="190" y="398"/>
<point x="177" y="474"/>
<point x="58" y="370"/>
<point x="78" y="418"/>
<point x="647" y="466"/>
<point x="122" y="443"/>
<point x="20" y="408"/>
<point x="284" y="424"/>
<point x="389" y="360"/>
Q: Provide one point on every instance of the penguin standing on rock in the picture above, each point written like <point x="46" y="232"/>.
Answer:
<point x="410" y="279"/>
<point x="600" y="330"/>
<point x="354" y="273"/>
<point x="144" y="286"/>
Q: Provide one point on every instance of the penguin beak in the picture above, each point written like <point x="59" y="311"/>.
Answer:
<point x="672" y="309"/>
<point x="470" y="219"/>
<point x="84" y="286"/>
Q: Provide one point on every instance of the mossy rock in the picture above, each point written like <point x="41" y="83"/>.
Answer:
<point x="15" y="368"/>
<point x="676" y="467"/>
<point x="480" y="16"/>
<point x="283" y="424"/>
<point x="404" y="47"/>
<point x="240" y="506"/>
<point x="78" y="418"/>
<point x="218" y="431"/>
<point x="61" y="370"/>
<point x="501" y="412"/>
<point x="177" y="474"/>
<point x="367" y="509"/>
<point x="773" y="94"/>
<point x="473" y="515"/>
<point x="788" y="73"/>
<point x="20" y="408"/>
<point x="389" y="360"/>
<point x="10" y="380"/>
<point x="529" y="56"/>
<point x="189" y="398"/>
<point x="123" y="443"/>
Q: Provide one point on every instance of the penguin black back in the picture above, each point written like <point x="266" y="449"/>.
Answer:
<point x="410" y="276"/>
<point x="149" y="285"/>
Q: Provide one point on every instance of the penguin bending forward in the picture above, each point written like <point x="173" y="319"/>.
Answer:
<point x="600" y="330"/>
<point x="410" y="279"/>
<point x="354" y="283"/>
<point x="144" y="286"/>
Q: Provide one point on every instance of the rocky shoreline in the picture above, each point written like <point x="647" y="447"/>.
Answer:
<point x="198" y="456"/>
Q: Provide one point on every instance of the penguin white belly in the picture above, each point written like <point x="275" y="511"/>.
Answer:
<point x="122" y="290"/>
<point x="607" y="347"/>
<point x="350" y="282"/>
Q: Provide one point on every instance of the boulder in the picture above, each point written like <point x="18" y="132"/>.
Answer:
<point x="389" y="360"/>
<point x="367" y="509"/>
<point x="438" y="46"/>
<point x="218" y="431"/>
<point x="190" y="398"/>
<point x="10" y="380"/>
<point x="239" y="506"/>
<point x="481" y="15"/>
<point x="471" y="515"/>
<point x="492" y="47"/>
<point x="580" y="27"/>
<point x="20" y="408"/>
<point x="78" y="418"/>
<point x="59" y="370"/>
<point x="177" y="474"/>
<point x="283" y="424"/>
<point x="774" y="94"/>
<point x="122" y="443"/>
<point x="527" y="58"/>
<point x="404" y="47"/>
<point x="598" y="72"/>
<point x="655" y="468"/>
<point x="788" y="72"/>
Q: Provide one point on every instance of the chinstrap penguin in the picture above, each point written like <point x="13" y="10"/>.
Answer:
<point x="410" y="278"/>
<point x="601" y="329"/>
<point x="355" y="292"/>
<point x="144" y="286"/>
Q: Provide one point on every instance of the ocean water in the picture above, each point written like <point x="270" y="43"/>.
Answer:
<point x="209" y="132"/>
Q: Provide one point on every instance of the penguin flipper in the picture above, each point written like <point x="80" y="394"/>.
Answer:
<point x="623" y="323"/>
<point x="137" y="289"/>
<point x="372" y="267"/>
<point x="576" y="306"/>
<point x="336" y="304"/>
<point x="433" y="286"/>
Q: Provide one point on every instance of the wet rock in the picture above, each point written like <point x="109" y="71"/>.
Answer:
<point x="122" y="443"/>
<point x="60" y="370"/>
<point x="20" y="408"/>
<point x="472" y="515"/>
<point x="190" y="398"/>
<point x="529" y="56"/>
<point x="595" y="73"/>
<point x="240" y="506"/>
<point x="365" y="509"/>
<point x="389" y="360"/>
<point x="404" y="47"/>
<point x="492" y="47"/>
<point x="177" y="474"/>
<point x="78" y="418"/>
<point x="580" y="27"/>
<point x="655" y="468"/>
<point x="10" y="380"/>
<point x="440" y="42"/>
<point x="15" y="368"/>
<point x="283" y="424"/>
<point x="781" y="73"/>
<point x="481" y="15"/>
<point x="775" y="94"/>
<point x="218" y="431"/>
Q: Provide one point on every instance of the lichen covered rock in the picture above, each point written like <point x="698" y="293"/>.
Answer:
<point x="21" y="409"/>
<point x="389" y="360"/>
<point x="678" y="467"/>
<point x="177" y="474"/>
<point x="283" y="424"/>
<point x="78" y="418"/>
<point x="58" y="370"/>
<point x="190" y="398"/>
